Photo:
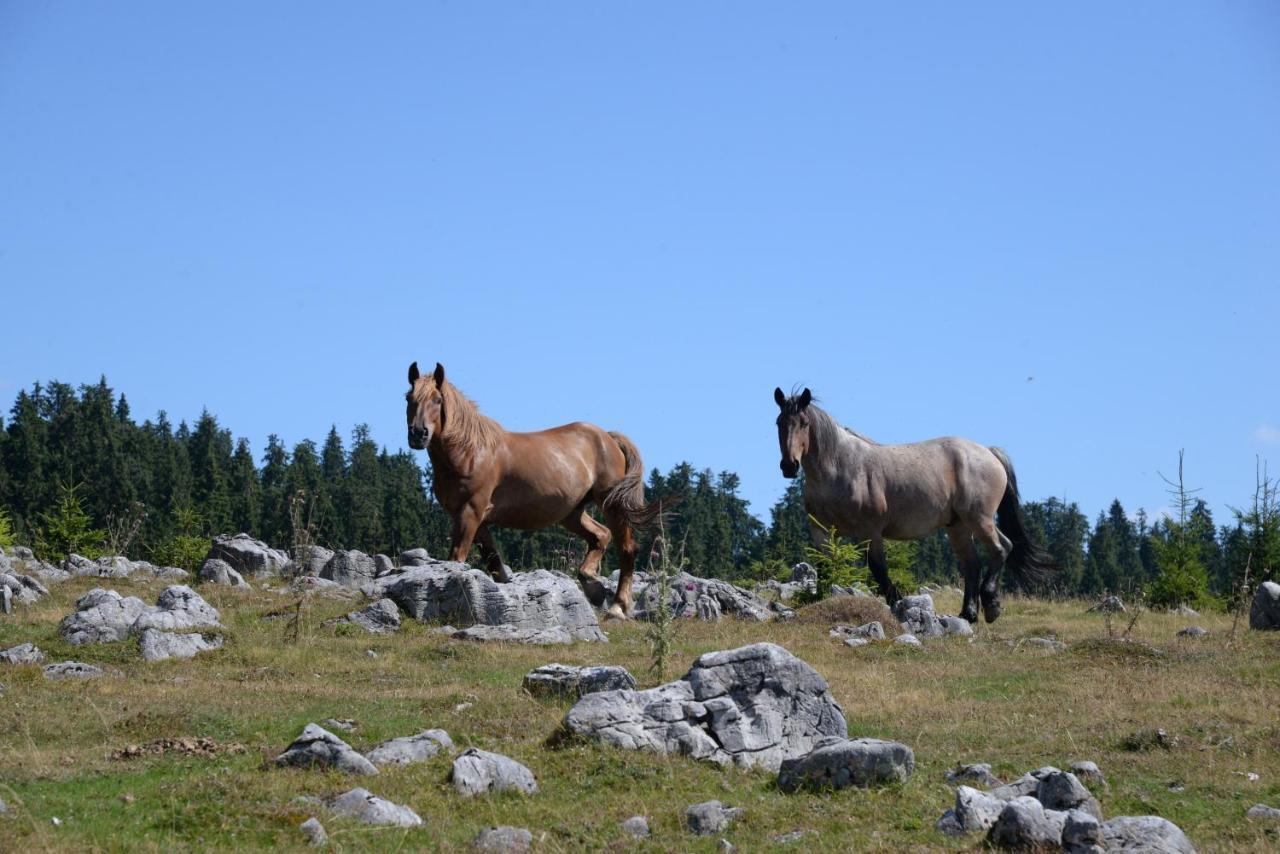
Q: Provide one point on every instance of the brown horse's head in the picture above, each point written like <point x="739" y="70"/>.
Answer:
<point x="793" y="429"/>
<point x="426" y="406"/>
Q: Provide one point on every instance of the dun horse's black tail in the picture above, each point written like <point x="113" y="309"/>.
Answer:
<point x="1029" y="563"/>
<point x="627" y="495"/>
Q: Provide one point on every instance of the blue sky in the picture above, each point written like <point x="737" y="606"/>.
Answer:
<point x="1052" y="227"/>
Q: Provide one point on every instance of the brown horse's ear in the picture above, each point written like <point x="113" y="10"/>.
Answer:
<point x="806" y="397"/>
<point x="413" y="373"/>
<point x="439" y="375"/>
<point x="779" y="398"/>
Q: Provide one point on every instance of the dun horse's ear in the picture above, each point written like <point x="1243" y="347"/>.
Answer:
<point x="779" y="398"/>
<point x="439" y="375"/>
<point x="806" y="397"/>
<point x="413" y="373"/>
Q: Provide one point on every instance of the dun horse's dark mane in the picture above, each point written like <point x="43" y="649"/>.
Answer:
<point x="827" y="427"/>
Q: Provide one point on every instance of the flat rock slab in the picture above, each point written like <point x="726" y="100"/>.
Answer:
<point x="710" y="817"/>
<point x="479" y="772"/>
<point x="507" y="633"/>
<point x="1146" y="834"/>
<point x="839" y="763"/>
<point x="754" y="706"/>
<point x="562" y="680"/>
<point x="72" y="670"/>
<point x="23" y="653"/>
<point x="156" y="645"/>
<point x="531" y="603"/>
<point x="867" y="631"/>
<point x="513" y="840"/>
<point x="317" y="747"/>
<point x="364" y="806"/>
<point x="412" y="748"/>
<point x="248" y="556"/>
<point x="703" y="598"/>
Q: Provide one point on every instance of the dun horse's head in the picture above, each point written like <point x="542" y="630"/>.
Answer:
<point x="793" y="429"/>
<point x="426" y="406"/>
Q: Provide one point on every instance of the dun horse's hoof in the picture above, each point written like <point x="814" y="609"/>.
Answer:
<point x="970" y="613"/>
<point x="990" y="609"/>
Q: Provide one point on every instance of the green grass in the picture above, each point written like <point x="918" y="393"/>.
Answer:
<point x="957" y="701"/>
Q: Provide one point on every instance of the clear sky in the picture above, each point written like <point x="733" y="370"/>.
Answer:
<point x="1054" y="227"/>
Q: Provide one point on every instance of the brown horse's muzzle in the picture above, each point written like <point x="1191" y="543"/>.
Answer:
<point x="419" y="437"/>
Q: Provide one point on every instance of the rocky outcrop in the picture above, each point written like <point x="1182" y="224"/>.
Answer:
<point x="755" y="706"/>
<point x="118" y="566"/>
<point x="101" y="616"/>
<point x="104" y="616"/>
<point x="1264" y="613"/>
<point x="350" y="569"/>
<point x="691" y="597"/>
<point x="531" y="603"/>
<point x="249" y="557"/>
<point x="72" y="670"/>
<point x="839" y="763"/>
<point x="479" y="772"/>
<point x="562" y="680"/>
<point x="1145" y="833"/>
<point x="919" y="619"/>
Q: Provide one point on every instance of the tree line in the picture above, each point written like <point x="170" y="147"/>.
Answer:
<point x="77" y="472"/>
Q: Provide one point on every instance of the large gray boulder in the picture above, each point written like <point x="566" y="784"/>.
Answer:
<point x="478" y="772"/>
<point x="1146" y="834"/>
<point x="313" y="559"/>
<point x="456" y="594"/>
<point x="1063" y="791"/>
<point x="839" y="763"/>
<point x="411" y="748"/>
<point x="317" y="747"/>
<point x="350" y="568"/>
<point x="1025" y="825"/>
<point x="363" y="806"/>
<point x="248" y="556"/>
<point x="707" y="598"/>
<point x="178" y="608"/>
<point x="754" y="706"/>
<point x="156" y="645"/>
<point x="563" y="680"/>
<point x="101" y="616"/>
<point x="1264" y="613"/>
<point x="215" y="571"/>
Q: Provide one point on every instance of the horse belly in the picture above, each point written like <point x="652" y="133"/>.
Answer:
<point x="532" y="500"/>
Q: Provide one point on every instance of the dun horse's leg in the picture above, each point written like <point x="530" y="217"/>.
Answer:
<point x="997" y="546"/>
<point x="880" y="570"/>
<point x="597" y="537"/>
<point x="962" y="545"/>
<point x="490" y="555"/>
<point x="626" y="540"/>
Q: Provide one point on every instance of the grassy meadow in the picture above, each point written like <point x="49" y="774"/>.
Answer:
<point x="64" y="745"/>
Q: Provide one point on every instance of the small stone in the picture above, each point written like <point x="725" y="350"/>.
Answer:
<point x="839" y="763"/>
<point x="710" y="817"/>
<point x="317" y="747"/>
<point x="908" y="641"/>
<point x="871" y="631"/>
<point x="512" y="840"/>
<point x="1087" y="770"/>
<point x="370" y="653"/>
<point x="347" y="724"/>
<point x="314" y="831"/>
<point x="1145" y="833"/>
<point x="478" y="772"/>
<point x="1050" y="644"/>
<point x="1082" y="833"/>
<point x="366" y="807"/>
<point x="156" y="645"/>
<point x="974" y="811"/>
<point x="410" y="749"/>
<point x="979" y="773"/>
<point x="71" y="670"/>
<point x="1063" y="791"/>
<point x="637" y="826"/>
<point x="462" y="707"/>
<point x="1262" y="811"/>
<point x="1192" y="632"/>
<point x="23" y="653"/>
<point x="725" y="845"/>
<point x="854" y="643"/>
<point x="561" y="680"/>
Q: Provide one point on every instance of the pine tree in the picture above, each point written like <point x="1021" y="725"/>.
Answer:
<point x="1182" y="579"/>
<point x="364" y="491"/>
<point x="245" y="491"/>
<point x="67" y="529"/>
<point x="275" y="527"/>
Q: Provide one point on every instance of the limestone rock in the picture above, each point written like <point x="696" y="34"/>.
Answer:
<point x="1193" y="632"/>
<point x="515" y="634"/>
<point x="383" y="564"/>
<point x="366" y="807"/>
<point x="313" y="559"/>
<point x="314" y="831"/>
<point x="978" y="772"/>
<point x="532" y="602"/>
<point x="752" y="706"/>
<point x="21" y="589"/>
<point x="72" y="670"/>
<point x="1264" y="812"/>
<point x="23" y="653"/>
<point x="380" y="618"/>
<point x="412" y="748"/>
<point x="249" y="557"/>
<point x="511" y="840"/>
<point x="710" y="817"/>
<point x="414" y="557"/>
<point x="1264" y="613"/>
<point x="908" y="641"/>
<point x="1082" y="834"/>
<point x="478" y="772"/>
<point x="215" y="571"/>
<point x="870" y="631"/>
<point x="562" y="680"/>
<point x="316" y="746"/>
<point x="157" y="645"/>
<point x="1025" y="825"/>
<point x="838" y="763"/>
<point x="1063" y="791"/>
<point x="1109" y="605"/>
<point x="636" y="826"/>
<point x="101" y="616"/>
<point x="973" y="812"/>
<point x="177" y="608"/>
<point x="685" y="590"/>
<point x="350" y="569"/>
<point x="1147" y="834"/>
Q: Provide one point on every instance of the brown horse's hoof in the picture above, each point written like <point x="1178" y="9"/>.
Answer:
<point x="597" y="594"/>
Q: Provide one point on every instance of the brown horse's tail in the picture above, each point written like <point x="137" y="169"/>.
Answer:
<point x="1029" y="563"/>
<point x="627" y="495"/>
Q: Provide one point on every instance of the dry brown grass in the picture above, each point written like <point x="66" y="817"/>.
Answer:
<point x="850" y="610"/>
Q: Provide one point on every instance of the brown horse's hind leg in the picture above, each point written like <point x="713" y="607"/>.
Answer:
<point x="962" y="545"/>
<point x="626" y="540"/>
<point x="490" y="555"/>
<point x="597" y="537"/>
<point x="997" y="546"/>
<point x="880" y="570"/>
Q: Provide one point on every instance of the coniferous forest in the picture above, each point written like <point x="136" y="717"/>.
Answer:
<point x="79" y="474"/>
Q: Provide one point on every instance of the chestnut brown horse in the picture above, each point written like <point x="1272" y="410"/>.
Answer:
<point x="484" y="475"/>
<point x="871" y="492"/>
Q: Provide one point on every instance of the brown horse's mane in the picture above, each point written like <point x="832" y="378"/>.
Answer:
<point x="466" y="429"/>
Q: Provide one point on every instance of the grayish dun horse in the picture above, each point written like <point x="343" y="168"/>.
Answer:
<point x="870" y="492"/>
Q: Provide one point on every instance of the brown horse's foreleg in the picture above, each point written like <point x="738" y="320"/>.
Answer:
<point x="490" y="555"/>
<point x="597" y="537"/>
<point x="967" y="557"/>
<point x="626" y="540"/>
<point x="466" y="522"/>
<point x="997" y="547"/>
<point x="880" y="570"/>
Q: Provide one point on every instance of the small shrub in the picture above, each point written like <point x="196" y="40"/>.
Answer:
<point x="182" y="550"/>
<point x="67" y="528"/>
<point x="6" y="529"/>
<point x="852" y="611"/>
